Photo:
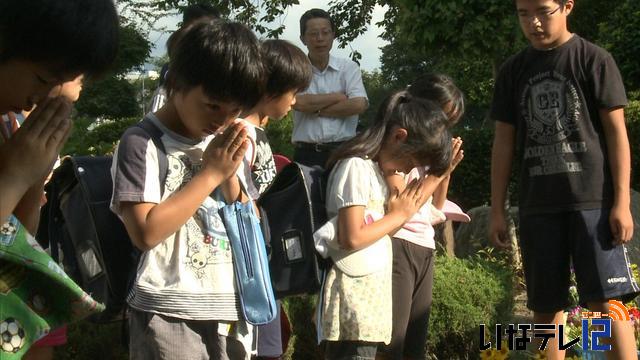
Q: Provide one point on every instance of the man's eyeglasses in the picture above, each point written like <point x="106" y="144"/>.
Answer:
<point x="316" y="34"/>
<point x="541" y="16"/>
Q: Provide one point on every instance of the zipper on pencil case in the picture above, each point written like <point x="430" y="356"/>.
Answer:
<point x="243" y="242"/>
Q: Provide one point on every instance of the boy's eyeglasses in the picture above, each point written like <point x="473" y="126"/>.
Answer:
<point x="541" y="16"/>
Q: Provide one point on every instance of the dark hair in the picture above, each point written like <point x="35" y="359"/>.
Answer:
<point x="71" y="36"/>
<point x="428" y="140"/>
<point x="196" y="11"/>
<point x="441" y="89"/>
<point x="221" y="56"/>
<point x="288" y="68"/>
<point x="191" y="13"/>
<point x="312" y="14"/>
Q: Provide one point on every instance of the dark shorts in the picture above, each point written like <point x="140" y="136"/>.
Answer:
<point x="412" y="285"/>
<point x="551" y="243"/>
<point x="350" y="350"/>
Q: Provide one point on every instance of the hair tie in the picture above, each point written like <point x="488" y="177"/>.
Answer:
<point x="404" y="98"/>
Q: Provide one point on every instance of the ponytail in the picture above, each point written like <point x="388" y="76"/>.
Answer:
<point x="367" y="144"/>
<point x="428" y="139"/>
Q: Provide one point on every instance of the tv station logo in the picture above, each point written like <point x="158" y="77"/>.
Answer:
<point x="595" y="326"/>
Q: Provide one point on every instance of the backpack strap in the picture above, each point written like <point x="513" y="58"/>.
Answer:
<point x="156" y="136"/>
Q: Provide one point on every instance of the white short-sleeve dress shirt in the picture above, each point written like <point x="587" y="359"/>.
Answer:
<point x="340" y="75"/>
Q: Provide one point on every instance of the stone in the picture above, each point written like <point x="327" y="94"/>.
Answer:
<point x="473" y="236"/>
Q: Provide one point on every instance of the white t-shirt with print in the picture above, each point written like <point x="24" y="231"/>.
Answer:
<point x="190" y="274"/>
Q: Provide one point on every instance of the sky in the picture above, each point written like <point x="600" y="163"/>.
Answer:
<point x="368" y="44"/>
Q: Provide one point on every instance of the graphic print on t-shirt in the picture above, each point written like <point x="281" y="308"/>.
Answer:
<point x="204" y="235"/>
<point x="179" y="172"/>
<point x="264" y="168"/>
<point x="551" y="109"/>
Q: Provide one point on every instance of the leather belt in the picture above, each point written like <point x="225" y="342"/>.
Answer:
<point x="319" y="147"/>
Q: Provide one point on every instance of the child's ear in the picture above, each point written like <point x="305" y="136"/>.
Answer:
<point x="400" y="135"/>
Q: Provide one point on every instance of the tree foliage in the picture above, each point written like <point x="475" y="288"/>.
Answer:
<point x="133" y="50"/>
<point x="112" y="97"/>
<point x="621" y="36"/>
<point x="378" y="88"/>
<point x="262" y="16"/>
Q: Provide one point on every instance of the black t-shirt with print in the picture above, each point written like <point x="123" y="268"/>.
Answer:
<point x="263" y="171"/>
<point x="553" y="99"/>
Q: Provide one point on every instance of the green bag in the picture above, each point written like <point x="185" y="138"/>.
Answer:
<point x="36" y="296"/>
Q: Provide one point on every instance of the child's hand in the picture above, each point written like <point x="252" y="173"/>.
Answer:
<point x="457" y="154"/>
<point x="408" y="201"/>
<point x="31" y="152"/>
<point x="225" y="152"/>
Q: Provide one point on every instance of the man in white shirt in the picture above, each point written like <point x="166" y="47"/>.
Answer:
<point x="326" y="114"/>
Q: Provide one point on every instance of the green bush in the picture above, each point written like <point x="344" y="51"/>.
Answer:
<point x="87" y="340"/>
<point x="279" y="133"/>
<point x="471" y="183"/>
<point x="303" y="341"/>
<point x="466" y="293"/>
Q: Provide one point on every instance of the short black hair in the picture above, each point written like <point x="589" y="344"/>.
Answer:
<point x="221" y="56"/>
<point x="288" y="68"/>
<point x="72" y="36"/>
<point x="312" y="14"/>
<point x="191" y="13"/>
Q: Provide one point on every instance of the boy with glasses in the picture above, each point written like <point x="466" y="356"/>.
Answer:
<point x="562" y="101"/>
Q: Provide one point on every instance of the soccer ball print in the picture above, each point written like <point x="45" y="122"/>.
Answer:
<point x="12" y="335"/>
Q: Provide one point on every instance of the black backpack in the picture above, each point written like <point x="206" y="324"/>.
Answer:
<point x="294" y="205"/>
<point x="97" y="252"/>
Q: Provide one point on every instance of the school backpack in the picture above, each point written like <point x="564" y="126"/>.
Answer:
<point x="83" y="234"/>
<point x="294" y="207"/>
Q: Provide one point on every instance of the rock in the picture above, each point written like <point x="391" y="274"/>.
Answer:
<point x="473" y="236"/>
